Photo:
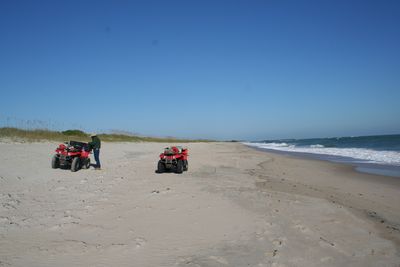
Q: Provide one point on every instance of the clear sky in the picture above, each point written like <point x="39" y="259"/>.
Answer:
<point x="204" y="69"/>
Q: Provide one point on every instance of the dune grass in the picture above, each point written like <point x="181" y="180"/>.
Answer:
<point x="37" y="135"/>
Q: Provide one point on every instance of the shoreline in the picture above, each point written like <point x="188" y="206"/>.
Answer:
<point x="387" y="222"/>
<point x="360" y="166"/>
<point x="236" y="206"/>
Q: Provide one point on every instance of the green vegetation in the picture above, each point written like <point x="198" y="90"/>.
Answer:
<point x="78" y="135"/>
<point x="38" y="135"/>
<point x="74" y="133"/>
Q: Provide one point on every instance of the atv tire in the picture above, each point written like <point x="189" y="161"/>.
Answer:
<point x="55" y="162"/>
<point x="86" y="164"/>
<point x="185" y="165"/>
<point x="160" y="167"/>
<point x="76" y="162"/>
<point x="179" y="166"/>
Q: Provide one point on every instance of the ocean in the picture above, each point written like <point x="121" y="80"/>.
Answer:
<point x="379" y="154"/>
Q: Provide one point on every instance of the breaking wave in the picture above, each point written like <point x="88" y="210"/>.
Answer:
<point x="358" y="154"/>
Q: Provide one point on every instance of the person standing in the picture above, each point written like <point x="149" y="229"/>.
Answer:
<point x="95" y="144"/>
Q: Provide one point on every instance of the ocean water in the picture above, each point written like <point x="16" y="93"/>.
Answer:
<point x="378" y="154"/>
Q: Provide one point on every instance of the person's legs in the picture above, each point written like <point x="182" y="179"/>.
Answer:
<point x="96" y="153"/>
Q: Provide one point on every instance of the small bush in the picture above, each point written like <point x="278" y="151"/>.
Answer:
<point x="74" y="133"/>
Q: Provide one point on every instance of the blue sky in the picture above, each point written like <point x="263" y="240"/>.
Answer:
<point x="203" y="69"/>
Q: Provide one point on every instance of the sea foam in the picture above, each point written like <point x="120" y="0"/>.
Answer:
<point x="358" y="154"/>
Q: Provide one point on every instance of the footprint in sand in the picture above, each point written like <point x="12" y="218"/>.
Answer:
<point x="272" y="253"/>
<point x="126" y="247"/>
<point x="140" y="242"/>
<point x="302" y="228"/>
<point x="277" y="242"/>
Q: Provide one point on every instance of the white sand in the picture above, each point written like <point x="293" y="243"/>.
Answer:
<point x="234" y="207"/>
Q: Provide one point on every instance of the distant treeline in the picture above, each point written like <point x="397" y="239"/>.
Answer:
<point x="78" y="135"/>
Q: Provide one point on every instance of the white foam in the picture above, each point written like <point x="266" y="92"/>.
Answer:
<point x="279" y="145"/>
<point x="368" y="155"/>
<point x="317" y="146"/>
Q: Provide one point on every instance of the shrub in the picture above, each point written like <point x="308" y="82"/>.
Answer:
<point x="74" y="133"/>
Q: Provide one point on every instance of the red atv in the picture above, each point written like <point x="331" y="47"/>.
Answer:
<point x="173" y="158"/>
<point x="72" y="154"/>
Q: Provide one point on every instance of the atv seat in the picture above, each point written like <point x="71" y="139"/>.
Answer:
<point x="172" y="150"/>
<point x="79" y="145"/>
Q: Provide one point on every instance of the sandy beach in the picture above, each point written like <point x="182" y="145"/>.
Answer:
<point x="236" y="206"/>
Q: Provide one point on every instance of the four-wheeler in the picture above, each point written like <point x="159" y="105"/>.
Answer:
<point x="72" y="154"/>
<point x="174" y="158"/>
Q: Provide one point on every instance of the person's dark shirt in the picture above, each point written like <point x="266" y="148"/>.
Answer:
<point x="96" y="143"/>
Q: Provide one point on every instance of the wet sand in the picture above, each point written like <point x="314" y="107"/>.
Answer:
<point x="236" y="206"/>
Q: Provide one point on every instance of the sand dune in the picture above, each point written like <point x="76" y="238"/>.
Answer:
<point x="234" y="207"/>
